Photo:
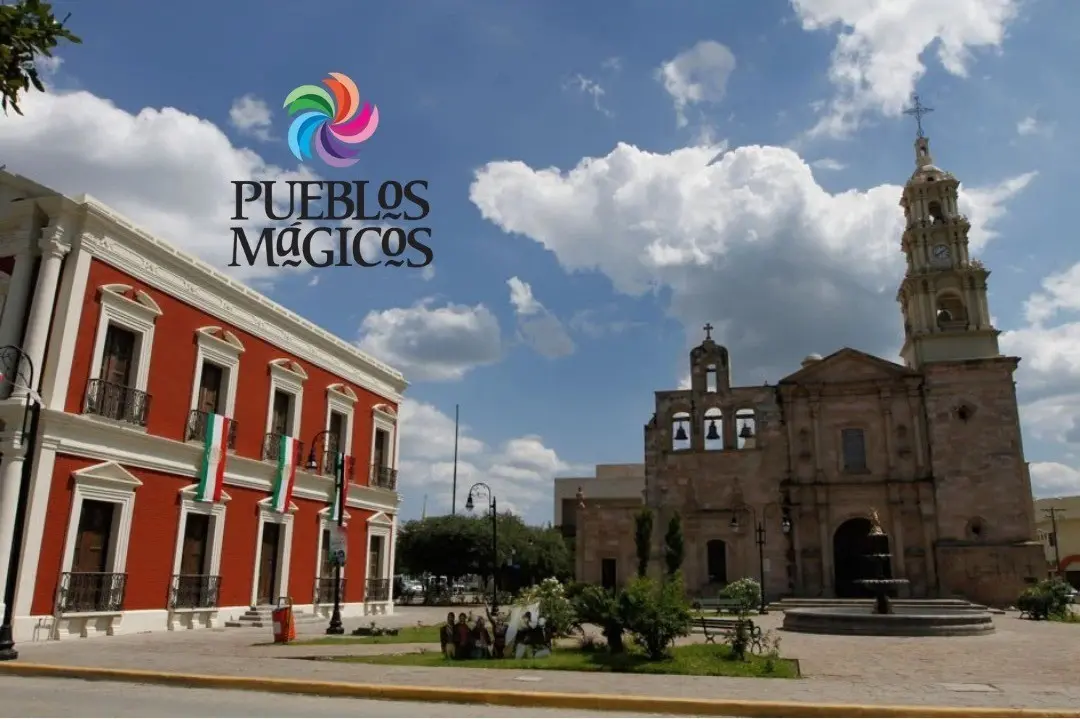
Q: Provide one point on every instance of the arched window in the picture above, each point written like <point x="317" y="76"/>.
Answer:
<point x="710" y="378"/>
<point x="680" y="431"/>
<point x="951" y="312"/>
<point x="746" y="425"/>
<point x="936" y="215"/>
<point x="714" y="429"/>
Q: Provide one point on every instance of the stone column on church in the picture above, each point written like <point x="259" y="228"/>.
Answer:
<point x="11" y="466"/>
<point x="53" y="250"/>
<point x="914" y="400"/>
<point x="815" y="422"/>
<point x="887" y="431"/>
<point x="827" y="588"/>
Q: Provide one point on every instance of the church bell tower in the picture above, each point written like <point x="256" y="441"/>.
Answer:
<point x="943" y="293"/>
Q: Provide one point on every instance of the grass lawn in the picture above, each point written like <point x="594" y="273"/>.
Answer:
<point x="692" y="659"/>
<point x="406" y="635"/>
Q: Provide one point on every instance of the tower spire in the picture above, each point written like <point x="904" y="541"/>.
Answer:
<point x="917" y="110"/>
<point x="922" y="143"/>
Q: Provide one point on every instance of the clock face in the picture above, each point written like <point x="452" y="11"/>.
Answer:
<point x="941" y="252"/>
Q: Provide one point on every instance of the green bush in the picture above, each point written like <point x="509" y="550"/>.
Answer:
<point x="1049" y="598"/>
<point x="555" y="608"/>
<point x="596" y="605"/>
<point x="746" y="592"/>
<point x="655" y="613"/>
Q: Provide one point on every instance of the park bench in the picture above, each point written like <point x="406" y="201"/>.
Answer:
<point x="711" y="627"/>
<point x="721" y="605"/>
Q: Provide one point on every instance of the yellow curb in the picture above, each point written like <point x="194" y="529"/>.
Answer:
<point x="548" y="700"/>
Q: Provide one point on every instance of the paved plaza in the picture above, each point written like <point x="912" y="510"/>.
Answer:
<point x="1024" y="664"/>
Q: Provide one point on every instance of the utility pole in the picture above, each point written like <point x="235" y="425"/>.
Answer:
<point x="423" y="512"/>
<point x="1052" y="513"/>
<point x="453" y="497"/>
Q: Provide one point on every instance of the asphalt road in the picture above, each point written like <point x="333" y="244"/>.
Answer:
<point x="23" y="697"/>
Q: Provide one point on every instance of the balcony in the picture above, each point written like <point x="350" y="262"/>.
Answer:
<point x="324" y="590"/>
<point x="194" y="591"/>
<point x="272" y="447"/>
<point x="199" y="422"/>
<point x="377" y="590"/>
<point x="91" y="592"/>
<point x="116" y="402"/>
<point x="329" y="459"/>
<point x="383" y="477"/>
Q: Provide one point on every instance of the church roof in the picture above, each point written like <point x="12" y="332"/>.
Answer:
<point x="847" y="364"/>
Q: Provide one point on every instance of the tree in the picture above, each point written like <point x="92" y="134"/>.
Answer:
<point x="674" y="547"/>
<point x="643" y="525"/>
<point x="28" y="29"/>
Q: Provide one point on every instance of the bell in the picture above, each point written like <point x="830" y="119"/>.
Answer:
<point x="680" y="434"/>
<point x="712" y="433"/>
<point x="746" y="432"/>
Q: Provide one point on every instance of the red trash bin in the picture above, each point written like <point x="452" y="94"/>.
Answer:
<point x="284" y="626"/>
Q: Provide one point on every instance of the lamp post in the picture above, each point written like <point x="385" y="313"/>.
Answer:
<point x="335" y="626"/>
<point x="493" y="508"/>
<point x="760" y="538"/>
<point x="11" y="365"/>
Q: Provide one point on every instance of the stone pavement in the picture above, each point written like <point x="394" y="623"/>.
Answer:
<point x="1024" y="664"/>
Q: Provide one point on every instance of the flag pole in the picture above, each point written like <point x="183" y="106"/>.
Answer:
<point x="453" y="497"/>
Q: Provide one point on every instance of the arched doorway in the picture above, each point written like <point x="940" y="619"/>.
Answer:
<point x="850" y="547"/>
<point x="716" y="556"/>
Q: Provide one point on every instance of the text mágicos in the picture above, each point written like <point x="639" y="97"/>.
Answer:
<point x="333" y="201"/>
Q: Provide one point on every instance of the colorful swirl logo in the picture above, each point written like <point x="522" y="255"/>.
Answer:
<point x="330" y="124"/>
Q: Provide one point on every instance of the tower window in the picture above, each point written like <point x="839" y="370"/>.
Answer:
<point x="853" y="447"/>
<point x="710" y="378"/>
<point x="936" y="215"/>
<point x="951" y="312"/>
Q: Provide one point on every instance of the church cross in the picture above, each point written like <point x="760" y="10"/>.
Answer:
<point x="917" y="111"/>
<point x="708" y="331"/>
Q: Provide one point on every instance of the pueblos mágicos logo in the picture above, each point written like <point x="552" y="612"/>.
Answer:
<point x="331" y="124"/>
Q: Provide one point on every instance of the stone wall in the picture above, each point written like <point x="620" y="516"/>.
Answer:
<point x="989" y="574"/>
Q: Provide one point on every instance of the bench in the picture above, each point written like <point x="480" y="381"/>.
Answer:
<point x="721" y="605"/>
<point x="728" y="627"/>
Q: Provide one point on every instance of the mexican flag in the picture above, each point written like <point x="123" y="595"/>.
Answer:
<point x="214" y="452"/>
<point x="340" y="487"/>
<point x="288" y="449"/>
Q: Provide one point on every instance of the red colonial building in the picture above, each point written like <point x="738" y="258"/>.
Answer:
<point x="136" y="345"/>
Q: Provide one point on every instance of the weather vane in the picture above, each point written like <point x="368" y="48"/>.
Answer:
<point x="917" y="111"/>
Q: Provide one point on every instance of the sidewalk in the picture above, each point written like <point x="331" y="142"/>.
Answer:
<point x="992" y="671"/>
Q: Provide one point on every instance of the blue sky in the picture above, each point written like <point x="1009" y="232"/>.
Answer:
<point x="789" y="241"/>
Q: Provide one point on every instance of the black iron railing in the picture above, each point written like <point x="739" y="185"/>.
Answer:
<point x="272" y="446"/>
<point x="91" y="592"/>
<point x="377" y="590"/>
<point x="194" y="591"/>
<point x="329" y="462"/>
<point x="114" y="401"/>
<point x="383" y="477"/>
<point x="198" y="424"/>
<point x="324" y="590"/>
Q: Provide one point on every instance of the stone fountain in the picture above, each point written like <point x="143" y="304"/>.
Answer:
<point x="883" y="616"/>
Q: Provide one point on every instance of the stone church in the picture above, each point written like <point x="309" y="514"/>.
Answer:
<point x="779" y="481"/>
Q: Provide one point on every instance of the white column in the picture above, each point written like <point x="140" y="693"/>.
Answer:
<point x="10" y="475"/>
<point x="15" y="307"/>
<point x="393" y="569"/>
<point x="53" y="250"/>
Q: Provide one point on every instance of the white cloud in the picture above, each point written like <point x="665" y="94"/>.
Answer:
<point x="1060" y="293"/>
<point x="697" y="75"/>
<point x="427" y="274"/>
<point x="251" y="116"/>
<point x="47" y="67"/>
<point x="519" y="471"/>
<point x="538" y="327"/>
<point x="730" y="240"/>
<point x="433" y="343"/>
<point x="600" y="322"/>
<point x="827" y="163"/>
<point x="1053" y="479"/>
<point x="1030" y="126"/>
<point x="313" y="281"/>
<point x="878" y="55"/>
<point x="167" y="170"/>
<point x="612" y="64"/>
<point x="591" y="88"/>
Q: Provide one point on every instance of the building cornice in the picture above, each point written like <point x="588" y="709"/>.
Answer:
<point x="150" y="260"/>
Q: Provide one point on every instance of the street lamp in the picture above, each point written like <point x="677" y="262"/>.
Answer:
<point x="760" y="538"/>
<point x="493" y="508"/>
<point x="11" y="365"/>
<point x="335" y="626"/>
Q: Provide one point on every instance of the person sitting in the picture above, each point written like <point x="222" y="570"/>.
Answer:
<point x="462" y="638"/>
<point x="446" y="636"/>
<point x="481" y="640"/>
<point x="521" y="641"/>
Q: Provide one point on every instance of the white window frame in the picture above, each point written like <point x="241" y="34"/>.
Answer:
<point x="289" y="377"/>
<point x="327" y="523"/>
<point x="225" y="353"/>
<point x="379" y="525"/>
<point x="104" y="482"/>
<point x="216" y="511"/>
<point x="267" y="515"/>
<point x="341" y="399"/>
<point x="138" y="316"/>
<point x="384" y="418"/>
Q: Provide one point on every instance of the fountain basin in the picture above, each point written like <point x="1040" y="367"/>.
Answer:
<point x="906" y="621"/>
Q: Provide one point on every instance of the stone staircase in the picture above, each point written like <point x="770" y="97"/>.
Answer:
<point x="256" y="617"/>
